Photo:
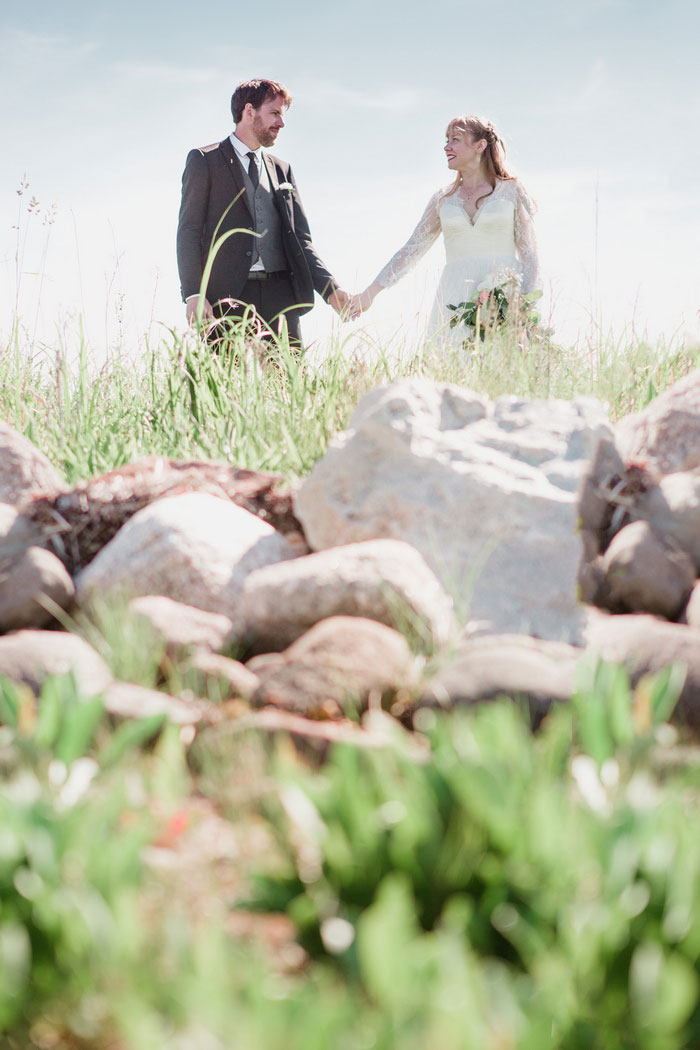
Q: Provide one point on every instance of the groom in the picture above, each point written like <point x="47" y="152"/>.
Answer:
<point x="269" y="262"/>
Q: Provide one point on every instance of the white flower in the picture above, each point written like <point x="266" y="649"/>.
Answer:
<point x="286" y="185"/>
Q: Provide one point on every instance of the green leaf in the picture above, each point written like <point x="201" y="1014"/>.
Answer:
<point x="129" y="736"/>
<point x="78" y="729"/>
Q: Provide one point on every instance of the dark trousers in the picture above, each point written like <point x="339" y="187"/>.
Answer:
<point x="271" y="298"/>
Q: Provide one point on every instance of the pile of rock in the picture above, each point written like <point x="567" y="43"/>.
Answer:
<point x="445" y="550"/>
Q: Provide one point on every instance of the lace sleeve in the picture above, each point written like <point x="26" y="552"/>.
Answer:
<point x="525" y="240"/>
<point x="422" y="238"/>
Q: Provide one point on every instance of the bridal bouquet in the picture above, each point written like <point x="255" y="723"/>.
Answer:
<point x="495" y="301"/>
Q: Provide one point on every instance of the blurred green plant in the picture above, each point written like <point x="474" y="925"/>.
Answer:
<point x="70" y="843"/>
<point x="567" y="866"/>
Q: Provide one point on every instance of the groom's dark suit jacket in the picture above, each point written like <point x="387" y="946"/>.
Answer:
<point x="212" y="188"/>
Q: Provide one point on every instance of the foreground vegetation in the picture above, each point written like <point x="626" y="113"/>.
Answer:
<point x="468" y="886"/>
<point x="180" y="400"/>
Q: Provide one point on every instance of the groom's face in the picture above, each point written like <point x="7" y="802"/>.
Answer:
<point x="268" y="121"/>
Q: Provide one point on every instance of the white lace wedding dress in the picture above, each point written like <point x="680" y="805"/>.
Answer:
<point x="500" y="236"/>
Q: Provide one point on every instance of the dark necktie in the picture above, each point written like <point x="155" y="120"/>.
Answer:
<point x="253" y="170"/>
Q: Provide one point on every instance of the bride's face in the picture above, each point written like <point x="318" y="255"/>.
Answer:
<point x="461" y="151"/>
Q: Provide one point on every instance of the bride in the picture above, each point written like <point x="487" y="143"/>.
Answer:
<point x="486" y="219"/>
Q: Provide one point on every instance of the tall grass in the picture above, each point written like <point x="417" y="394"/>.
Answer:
<point x="274" y="410"/>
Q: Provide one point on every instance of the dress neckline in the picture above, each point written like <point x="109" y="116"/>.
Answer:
<point x="472" y="220"/>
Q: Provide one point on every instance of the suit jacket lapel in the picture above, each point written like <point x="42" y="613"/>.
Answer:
<point x="280" y="198"/>
<point x="236" y="171"/>
<point x="272" y="172"/>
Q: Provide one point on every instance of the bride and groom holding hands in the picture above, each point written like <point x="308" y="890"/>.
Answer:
<point x="243" y="240"/>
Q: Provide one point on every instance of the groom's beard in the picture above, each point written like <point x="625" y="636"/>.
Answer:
<point x="265" y="136"/>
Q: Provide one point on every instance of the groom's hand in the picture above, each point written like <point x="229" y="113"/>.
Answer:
<point x="191" y="310"/>
<point x="340" y="301"/>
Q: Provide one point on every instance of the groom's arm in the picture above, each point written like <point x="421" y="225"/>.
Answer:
<point x="323" y="280"/>
<point x="191" y="223"/>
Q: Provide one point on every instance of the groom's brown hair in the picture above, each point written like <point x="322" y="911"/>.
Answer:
<point x="256" y="92"/>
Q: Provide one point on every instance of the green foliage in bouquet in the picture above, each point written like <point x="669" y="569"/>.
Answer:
<point x="494" y="307"/>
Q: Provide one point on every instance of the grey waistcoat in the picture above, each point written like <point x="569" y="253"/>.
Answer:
<point x="267" y="222"/>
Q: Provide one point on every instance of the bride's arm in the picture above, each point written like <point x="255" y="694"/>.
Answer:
<point x="525" y="239"/>
<point x="423" y="237"/>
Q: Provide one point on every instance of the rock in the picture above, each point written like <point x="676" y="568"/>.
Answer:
<point x="487" y="493"/>
<point x="600" y="477"/>
<point x="17" y="533"/>
<point x="219" y="677"/>
<point x="82" y="520"/>
<point x="338" y="665"/>
<point x="672" y="508"/>
<point x="384" y="580"/>
<point x="665" y="436"/>
<point x="123" y="700"/>
<point x="24" y="470"/>
<point x="312" y="738"/>
<point x="645" y="574"/>
<point x="194" y="548"/>
<point x="31" y="656"/>
<point x="537" y="672"/>
<point x="28" y="587"/>
<point x="179" y="627"/>
<point x="646" y="645"/>
<point x="691" y="615"/>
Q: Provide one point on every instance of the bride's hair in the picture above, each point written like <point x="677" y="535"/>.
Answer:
<point x="493" y="156"/>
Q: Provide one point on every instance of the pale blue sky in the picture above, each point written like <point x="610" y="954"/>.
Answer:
<point x="598" y="103"/>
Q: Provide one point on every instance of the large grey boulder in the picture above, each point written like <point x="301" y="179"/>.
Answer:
<point x="24" y="470"/>
<point x="487" y="492"/>
<point x="29" y="657"/>
<point x="665" y="436"/>
<point x="31" y="586"/>
<point x="194" y="548"/>
<point x="384" y="580"/>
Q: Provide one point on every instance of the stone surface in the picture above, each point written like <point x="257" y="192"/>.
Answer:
<point x="82" y="520"/>
<point x="384" y="580"/>
<point x="210" y="674"/>
<point x="486" y="492"/>
<point x="24" y="470"/>
<point x="528" y="669"/>
<point x="181" y="627"/>
<point x="194" y="548"/>
<point x="672" y="508"/>
<point x="601" y="476"/>
<point x="28" y="585"/>
<point x="17" y="533"/>
<point x="124" y="700"/>
<point x="665" y="436"/>
<point x="31" y="656"/>
<point x="691" y="615"/>
<point x="313" y="738"/>
<point x="645" y="574"/>
<point x="337" y="666"/>
<point x="645" y="645"/>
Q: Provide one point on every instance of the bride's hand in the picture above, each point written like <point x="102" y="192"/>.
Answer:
<point x="362" y="301"/>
